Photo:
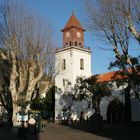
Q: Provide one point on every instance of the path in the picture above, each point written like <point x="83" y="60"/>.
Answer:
<point x="59" y="132"/>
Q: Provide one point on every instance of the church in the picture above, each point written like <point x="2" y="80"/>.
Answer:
<point x="73" y="60"/>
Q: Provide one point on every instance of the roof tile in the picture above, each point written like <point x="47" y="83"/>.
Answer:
<point x="73" y="22"/>
<point x="111" y="76"/>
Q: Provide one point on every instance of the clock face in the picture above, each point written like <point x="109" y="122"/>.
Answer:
<point x="67" y="34"/>
<point x="78" y="34"/>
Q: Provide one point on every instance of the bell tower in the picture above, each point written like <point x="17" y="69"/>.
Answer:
<point x="73" y="33"/>
<point x="71" y="61"/>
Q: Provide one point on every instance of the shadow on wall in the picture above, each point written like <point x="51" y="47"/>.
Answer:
<point x="67" y="108"/>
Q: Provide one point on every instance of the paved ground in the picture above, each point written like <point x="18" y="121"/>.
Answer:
<point x="58" y="132"/>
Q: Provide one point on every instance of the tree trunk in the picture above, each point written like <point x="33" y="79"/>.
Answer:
<point x="27" y="108"/>
<point x="127" y="106"/>
<point x="14" y="117"/>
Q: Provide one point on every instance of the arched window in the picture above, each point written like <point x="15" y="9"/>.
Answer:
<point x="70" y="43"/>
<point x="81" y="64"/>
<point x="63" y="64"/>
<point x="75" y="43"/>
<point x="63" y="82"/>
<point x="80" y="44"/>
<point x="66" y="44"/>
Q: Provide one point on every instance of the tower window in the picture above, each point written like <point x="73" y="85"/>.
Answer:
<point x="75" y="43"/>
<point x="63" y="82"/>
<point x="66" y="44"/>
<point x="81" y="64"/>
<point x="80" y="44"/>
<point x="70" y="43"/>
<point x="63" y="64"/>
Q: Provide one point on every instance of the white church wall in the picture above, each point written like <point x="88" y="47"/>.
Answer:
<point x="72" y="56"/>
<point x="77" y="106"/>
<point x="72" y="71"/>
<point x="63" y="74"/>
<point x="103" y="108"/>
<point x="116" y="93"/>
<point x="80" y="106"/>
<point x="86" y="56"/>
<point x="58" y="106"/>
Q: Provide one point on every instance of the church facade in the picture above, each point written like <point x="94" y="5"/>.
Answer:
<point x="74" y="60"/>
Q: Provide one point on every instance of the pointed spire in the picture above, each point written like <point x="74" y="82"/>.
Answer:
<point x="73" y="22"/>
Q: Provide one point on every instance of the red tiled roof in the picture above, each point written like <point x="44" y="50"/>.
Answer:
<point x="111" y="76"/>
<point x="73" y="22"/>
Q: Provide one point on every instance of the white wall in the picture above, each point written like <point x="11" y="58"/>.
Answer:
<point x="117" y="93"/>
<point x="68" y="72"/>
<point x="72" y="56"/>
<point x="105" y="101"/>
<point x="86" y="56"/>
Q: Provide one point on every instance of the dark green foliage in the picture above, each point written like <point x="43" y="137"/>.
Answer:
<point x="130" y="75"/>
<point x="119" y="64"/>
<point x="130" y="78"/>
<point x="91" y="90"/>
<point x="115" y="104"/>
<point x="49" y="100"/>
<point x="98" y="90"/>
<point x="5" y="95"/>
<point x="115" y="111"/>
<point x="37" y="103"/>
<point x="45" y="105"/>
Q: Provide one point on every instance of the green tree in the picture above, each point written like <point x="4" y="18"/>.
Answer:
<point x="45" y="104"/>
<point x="92" y="91"/>
<point x="49" y="102"/>
<point x="122" y="80"/>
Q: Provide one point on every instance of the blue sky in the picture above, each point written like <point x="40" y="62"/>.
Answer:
<point x="57" y="12"/>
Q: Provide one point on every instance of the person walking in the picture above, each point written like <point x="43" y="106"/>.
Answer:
<point x="32" y="125"/>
